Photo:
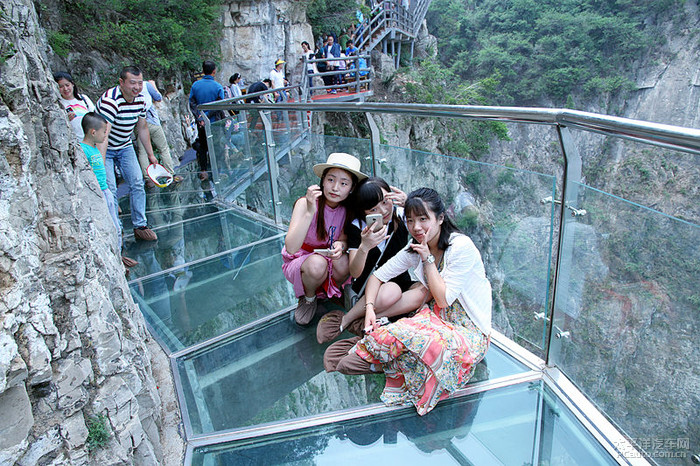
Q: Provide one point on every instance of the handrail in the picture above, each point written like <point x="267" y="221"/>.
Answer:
<point x="391" y="15"/>
<point x="271" y="90"/>
<point x="676" y="137"/>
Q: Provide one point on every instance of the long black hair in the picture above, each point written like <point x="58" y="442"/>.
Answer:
<point x="422" y="200"/>
<point x="65" y="75"/>
<point x="320" y="219"/>
<point x="369" y="193"/>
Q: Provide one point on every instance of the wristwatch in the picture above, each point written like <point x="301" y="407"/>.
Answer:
<point x="429" y="260"/>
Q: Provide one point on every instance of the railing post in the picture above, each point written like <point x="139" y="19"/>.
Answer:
<point x="562" y="272"/>
<point x="271" y="165"/>
<point x="211" y="153"/>
<point x="374" y="142"/>
<point x="305" y="89"/>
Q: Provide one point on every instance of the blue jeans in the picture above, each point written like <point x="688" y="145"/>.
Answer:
<point x="114" y="213"/>
<point x="129" y="166"/>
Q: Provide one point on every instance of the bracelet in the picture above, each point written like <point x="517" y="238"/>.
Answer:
<point x="367" y="304"/>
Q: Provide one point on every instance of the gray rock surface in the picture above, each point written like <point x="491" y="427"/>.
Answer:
<point x="72" y="342"/>
<point x="258" y="32"/>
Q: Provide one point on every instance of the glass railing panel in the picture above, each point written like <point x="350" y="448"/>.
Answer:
<point x="244" y="175"/>
<point x="296" y="168"/>
<point x="287" y="127"/>
<point x="501" y="210"/>
<point x="515" y="425"/>
<point x="224" y="387"/>
<point x="182" y="240"/>
<point x="627" y="310"/>
<point x="205" y="299"/>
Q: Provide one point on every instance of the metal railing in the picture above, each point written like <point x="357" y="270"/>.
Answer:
<point x="391" y="17"/>
<point x="667" y="136"/>
<point x="356" y="77"/>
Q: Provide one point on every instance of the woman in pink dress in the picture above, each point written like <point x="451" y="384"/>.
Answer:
<point x="314" y="248"/>
<point x="430" y="355"/>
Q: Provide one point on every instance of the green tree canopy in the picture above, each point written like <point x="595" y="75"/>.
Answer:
<point x="544" y="48"/>
<point x="162" y="36"/>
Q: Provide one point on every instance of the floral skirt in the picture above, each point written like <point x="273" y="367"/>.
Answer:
<point x="425" y="357"/>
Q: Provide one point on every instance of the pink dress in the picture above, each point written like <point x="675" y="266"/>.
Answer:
<point x="334" y="218"/>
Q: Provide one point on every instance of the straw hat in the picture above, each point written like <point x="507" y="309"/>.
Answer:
<point x="159" y="175"/>
<point x="341" y="160"/>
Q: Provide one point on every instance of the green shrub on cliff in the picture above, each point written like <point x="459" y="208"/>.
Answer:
<point x="545" y="48"/>
<point x="158" y="36"/>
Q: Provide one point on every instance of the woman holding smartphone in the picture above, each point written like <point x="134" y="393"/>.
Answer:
<point x="369" y="247"/>
<point x="430" y="355"/>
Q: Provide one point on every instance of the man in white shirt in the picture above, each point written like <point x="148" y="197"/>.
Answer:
<point x="278" y="80"/>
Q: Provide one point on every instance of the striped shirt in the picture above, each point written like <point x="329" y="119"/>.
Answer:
<point x="121" y="114"/>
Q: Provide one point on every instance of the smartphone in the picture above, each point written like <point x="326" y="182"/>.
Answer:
<point x="376" y="220"/>
<point x="324" y="252"/>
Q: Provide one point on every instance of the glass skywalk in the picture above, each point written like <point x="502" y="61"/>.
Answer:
<point x="577" y="300"/>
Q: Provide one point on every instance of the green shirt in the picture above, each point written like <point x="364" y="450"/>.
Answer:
<point x="98" y="166"/>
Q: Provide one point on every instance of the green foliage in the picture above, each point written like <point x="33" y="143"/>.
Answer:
<point x="430" y="82"/>
<point x="159" y="37"/>
<point x="333" y="15"/>
<point x="544" y="48"/>
<point x="98" y="432"/>
<point x="59" y="42"/>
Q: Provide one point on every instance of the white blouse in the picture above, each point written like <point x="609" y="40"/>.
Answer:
<point x="463" y="274"/>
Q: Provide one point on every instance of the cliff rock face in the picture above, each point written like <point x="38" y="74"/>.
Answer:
<point x="257" y="33"/>
<point x="72" y="342"/>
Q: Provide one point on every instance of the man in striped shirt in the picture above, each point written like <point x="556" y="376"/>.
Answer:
<point x="124" y="108"/>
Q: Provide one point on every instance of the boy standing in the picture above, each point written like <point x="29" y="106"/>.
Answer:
<point x="95" y="129"/>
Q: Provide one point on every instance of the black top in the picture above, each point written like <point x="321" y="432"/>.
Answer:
<point x="398" y="241"/>
<point x="256" y="87"/>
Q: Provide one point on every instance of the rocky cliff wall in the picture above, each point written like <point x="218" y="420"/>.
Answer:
<point x="257" y="33"/>
<point x="72" y="343"/>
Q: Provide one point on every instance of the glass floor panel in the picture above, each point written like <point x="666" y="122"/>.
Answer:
<point x="274" y="372"/>
<point x="208" y="298"/>
<point x="190" y="191"/>
<point x="517" y="425"/>
<point x="182" y="240"/>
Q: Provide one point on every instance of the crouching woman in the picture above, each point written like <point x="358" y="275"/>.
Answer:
<point x="430" y="355"/>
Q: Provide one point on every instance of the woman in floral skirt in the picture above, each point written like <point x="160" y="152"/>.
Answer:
<point x="433" y="353"/>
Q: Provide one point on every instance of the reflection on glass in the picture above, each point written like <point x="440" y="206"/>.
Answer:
<point x="190" y="192"/>
<point x="630" y="304"/>
<point x="516" y="425"/>
<point x="500" y="208"/>
<point x="224" y="388"/>
<point x="190" y="304"/>
<point x="182" y="239"/>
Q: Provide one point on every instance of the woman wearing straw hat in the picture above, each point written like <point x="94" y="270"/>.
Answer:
<point x="314" y="248"/>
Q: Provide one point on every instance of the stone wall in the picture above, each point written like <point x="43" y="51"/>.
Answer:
<point x="72" y="342"/>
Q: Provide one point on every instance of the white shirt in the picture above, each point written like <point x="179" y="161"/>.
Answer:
<point x="277" y="78"/>
<point x="463" y="274"/>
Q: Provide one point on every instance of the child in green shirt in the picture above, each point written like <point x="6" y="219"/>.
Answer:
<point x="95" y="129"/>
